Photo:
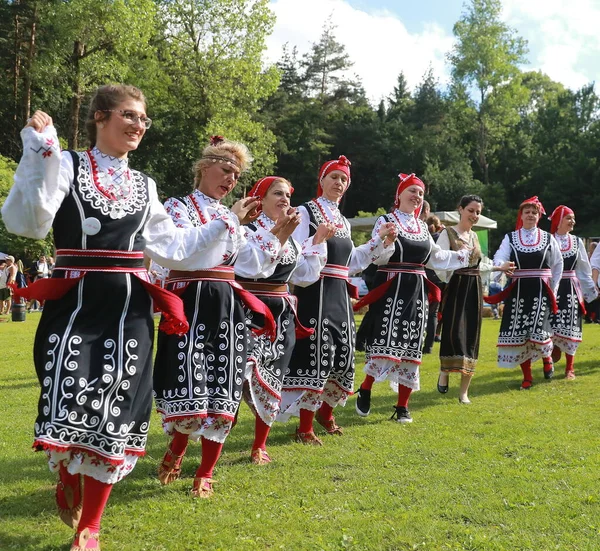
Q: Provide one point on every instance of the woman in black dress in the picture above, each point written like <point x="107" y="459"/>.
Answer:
<point x="299" y="264"/>
<point x="462" y="303"/>
<point x="321" y="370"/>
<point x="93" y="346"/>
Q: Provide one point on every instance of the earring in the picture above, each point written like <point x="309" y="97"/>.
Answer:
<point x="101" y="125"/>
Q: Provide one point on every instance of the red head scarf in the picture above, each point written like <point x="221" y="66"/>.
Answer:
<point x="531" y="201"/>
<point x="260" y="188"/>
<point x="341" y="163"/>
<point x="557" y="216"/>
<point x="407" y="180"/>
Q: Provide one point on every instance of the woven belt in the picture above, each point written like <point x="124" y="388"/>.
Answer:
<point x="264" y="287"/>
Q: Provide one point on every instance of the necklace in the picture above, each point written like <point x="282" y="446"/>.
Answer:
<point x="537" y="242"/>
<point x="338" y="225"/>
<point x="406" y="228"/>
<point x="110" y="189"/>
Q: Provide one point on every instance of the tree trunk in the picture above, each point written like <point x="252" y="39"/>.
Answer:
<point x="78" y="53"/>
<point x="17" y="65"/>
<point x="30" y="57"/>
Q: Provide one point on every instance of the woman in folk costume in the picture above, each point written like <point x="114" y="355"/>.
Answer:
<point x="525" y="331"/>
<point x="463" y="297"/>
<point x="321" y="370"/>
<point x="397" y="316"/>
<point x="299" y="264"/>
<point x="575" y="287"/>
<point x="198" y="376"/>
<point x="93" y="346"/>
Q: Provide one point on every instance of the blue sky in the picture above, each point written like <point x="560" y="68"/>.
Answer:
<point x="384" y="37"/>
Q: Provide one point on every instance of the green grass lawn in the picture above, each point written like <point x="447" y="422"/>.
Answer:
<point x="512" y="471"/>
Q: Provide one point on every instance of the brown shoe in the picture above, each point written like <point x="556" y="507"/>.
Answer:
<point x="81" y="541"/>
<point x="569" y="375"/>
<point x="260" y="457"/>
<point x="72" y="513"/>
<point x="202" y="488"/>
<point x="308" y="438"/>
<point x="170" y="468"/>
<point x="329" y="425"/>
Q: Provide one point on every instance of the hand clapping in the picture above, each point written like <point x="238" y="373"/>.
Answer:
<point x="39" y="121"/>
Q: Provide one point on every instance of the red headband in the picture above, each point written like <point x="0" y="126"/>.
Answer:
<point x="531" y="201"/>
<point x="407" y="180"/>
<point x="342" y="164"/>
<point x="557" y="216"/>
<point x="260" y="188"/>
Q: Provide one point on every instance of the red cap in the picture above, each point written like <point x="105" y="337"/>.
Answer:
<point x="556" y="217"/>
<point x="260" y="188"/>
<point x="341" y="163"/>
<point x="531" y="201"/>
<point x="407" y="180"/>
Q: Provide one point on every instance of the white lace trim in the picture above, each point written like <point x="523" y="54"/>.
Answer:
<point x="419" y="232"/>
<point x="127" y="185"/>
<point x="526" y="241"/>
<point x="337" y="217"/>
<point x="568" y="244"/>
<point x="89" y="465"/>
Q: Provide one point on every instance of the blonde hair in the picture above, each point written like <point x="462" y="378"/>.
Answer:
<point x="225" y="151"/>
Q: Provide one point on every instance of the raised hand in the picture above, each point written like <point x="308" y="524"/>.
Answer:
<point x="289" y="222"/>
<point x="323" y="233"/>
<point x="39" y="121"/>
<point x="388" y="232"/>
<point x="246" y="209"/>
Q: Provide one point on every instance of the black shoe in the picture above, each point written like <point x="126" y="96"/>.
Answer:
<point x="437" y="339"/>
<point x="426" y="350"/>
<point x="401" y="414"/>
<point x="442" y="389"/>
<point x="363" y="402"/>
<point x="549" y="374"/>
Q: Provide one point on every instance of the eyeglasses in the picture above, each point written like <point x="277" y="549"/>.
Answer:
<point x="131" y="117"/>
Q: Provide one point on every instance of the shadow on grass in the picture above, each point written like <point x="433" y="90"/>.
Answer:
<point x="10" y="541"/>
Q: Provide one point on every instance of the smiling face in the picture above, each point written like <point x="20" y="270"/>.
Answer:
<point x="116" y="136"/>
<point x="218" y="179"/>
<point x="277" y="200"/>
<point x="334" y="185"/>
<point x="566" y="224"/>
<point x="411" y="198"/>
<point x="530" y="216"/>
<point x="469" y="215"/>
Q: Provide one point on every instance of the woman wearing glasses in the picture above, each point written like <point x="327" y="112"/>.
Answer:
<point x="198" y="376"/>
<point x="93" y="347"/>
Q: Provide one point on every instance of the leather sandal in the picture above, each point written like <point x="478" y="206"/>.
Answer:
<point x="526" y="384"/>
<point x="170" y="468"/>
<point x="309" y="438"/>
<point x="329" y="425"/>
<point x="72" y="513"/>
<point x="260" y="457"/>
<point x="82" y="539"/>
<point x="202" y="487"/>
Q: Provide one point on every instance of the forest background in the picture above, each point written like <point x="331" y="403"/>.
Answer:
<point x="494" y="130"/>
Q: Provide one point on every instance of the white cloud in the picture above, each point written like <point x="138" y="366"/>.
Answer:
<point x="377" y="42"/>
<point x="563" y="37"/>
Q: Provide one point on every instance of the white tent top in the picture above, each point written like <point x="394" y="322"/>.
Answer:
<point x="3" y="255"/>
<point x="447" y="217"/>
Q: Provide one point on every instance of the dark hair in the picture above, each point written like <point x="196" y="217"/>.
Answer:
<point x="106" y="98"/>
<point x="466" y="199"/>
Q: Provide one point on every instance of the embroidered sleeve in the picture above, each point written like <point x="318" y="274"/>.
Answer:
<point x="42" y="182"/>
<point x="583" y="270"/>
<point x="257" y="257"/>
<point x="310" y="263"/>
<point x="441" y="259"/>
<point x="185" y="247"/>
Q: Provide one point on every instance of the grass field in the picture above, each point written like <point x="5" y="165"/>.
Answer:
<point x="512" y="471"/>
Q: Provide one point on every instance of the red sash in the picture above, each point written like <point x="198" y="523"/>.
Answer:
<point x="93" y="260"/>
<point x="433" y="291"/>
